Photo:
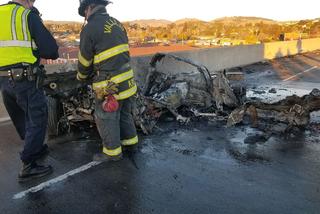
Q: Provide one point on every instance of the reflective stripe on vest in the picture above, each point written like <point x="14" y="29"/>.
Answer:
<point x="107" y="54"/>
<point x="13" y="23"/>
<point x="130" y="142"/>
<point x="25" y="25"/>
<point x="16" y="45"/>
<point x="112" y="152"/>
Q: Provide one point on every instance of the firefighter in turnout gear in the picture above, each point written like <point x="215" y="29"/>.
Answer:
<point x="23" y="41"/>
<point x="104" y="58"/>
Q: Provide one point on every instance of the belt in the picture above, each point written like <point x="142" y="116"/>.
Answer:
<point x="12" y="71"/>
<point x="4" y="74"/>
<point x="17" y="74"/>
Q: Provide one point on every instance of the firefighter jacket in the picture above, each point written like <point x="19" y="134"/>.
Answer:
<point x="104" y="50"/>
<point x="23" y="37"/>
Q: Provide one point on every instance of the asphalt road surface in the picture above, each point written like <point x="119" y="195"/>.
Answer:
<point x="201" y="168"/>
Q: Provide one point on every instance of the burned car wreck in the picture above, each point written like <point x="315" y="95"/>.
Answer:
<point x="193" y="92"/>
<point x="179" y="88"/>
<point x="196" y="92"/>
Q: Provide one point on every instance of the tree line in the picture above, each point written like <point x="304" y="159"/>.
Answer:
<point x="251" y="32"/>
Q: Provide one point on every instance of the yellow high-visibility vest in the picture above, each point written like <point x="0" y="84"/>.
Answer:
<point x="16" y="44"/>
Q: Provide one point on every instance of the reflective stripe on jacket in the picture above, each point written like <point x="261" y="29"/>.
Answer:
<point x="16" y="44"/>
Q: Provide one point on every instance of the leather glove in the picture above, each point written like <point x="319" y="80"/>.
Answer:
<point x="111" y="88"/>
<point x="105" y="88"/>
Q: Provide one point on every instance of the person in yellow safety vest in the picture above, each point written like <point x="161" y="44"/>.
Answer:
<point x="104" y="58"/>
<point x="23" y="41"/>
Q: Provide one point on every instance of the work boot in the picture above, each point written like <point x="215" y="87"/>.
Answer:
<point x="101" y="157"/>
<point x="32" y="170"/>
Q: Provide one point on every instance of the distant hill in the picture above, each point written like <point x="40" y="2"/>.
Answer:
<point x="230" y="21"/>
<point x="237" y="20"/>
<point x="300" y="21"/>
<point x="151" y="22"/>
<point x="182" y="21"/>
<point x="242" y="20"/>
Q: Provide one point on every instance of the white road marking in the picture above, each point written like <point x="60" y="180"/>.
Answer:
<point x="310" y="69"/>
<point x="56" y="180"/>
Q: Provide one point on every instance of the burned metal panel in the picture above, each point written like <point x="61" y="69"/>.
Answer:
<point x="293" y="111"/>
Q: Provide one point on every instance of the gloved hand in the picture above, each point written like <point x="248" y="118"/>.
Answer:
<point x="111" y="88"/>
<point x="105" y="88"/>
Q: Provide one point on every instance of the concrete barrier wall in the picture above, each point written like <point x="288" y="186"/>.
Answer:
<point x="227" y="57"/>
<point x="281" y="49"/>
<point x="222" y="58"/>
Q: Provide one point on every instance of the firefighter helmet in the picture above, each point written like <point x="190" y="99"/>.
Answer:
<point x="85" y="3"/>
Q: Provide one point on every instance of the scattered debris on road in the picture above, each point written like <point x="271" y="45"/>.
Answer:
<point x="285" y="116"/>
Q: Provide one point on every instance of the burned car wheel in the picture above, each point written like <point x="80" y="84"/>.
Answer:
<point x="54" y="114"/>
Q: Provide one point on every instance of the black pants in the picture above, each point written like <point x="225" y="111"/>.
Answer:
<point x="27" y="108"/>
<point x="117" y="128"/>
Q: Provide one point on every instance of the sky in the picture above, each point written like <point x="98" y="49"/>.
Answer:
<point x="172" y="10"/>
